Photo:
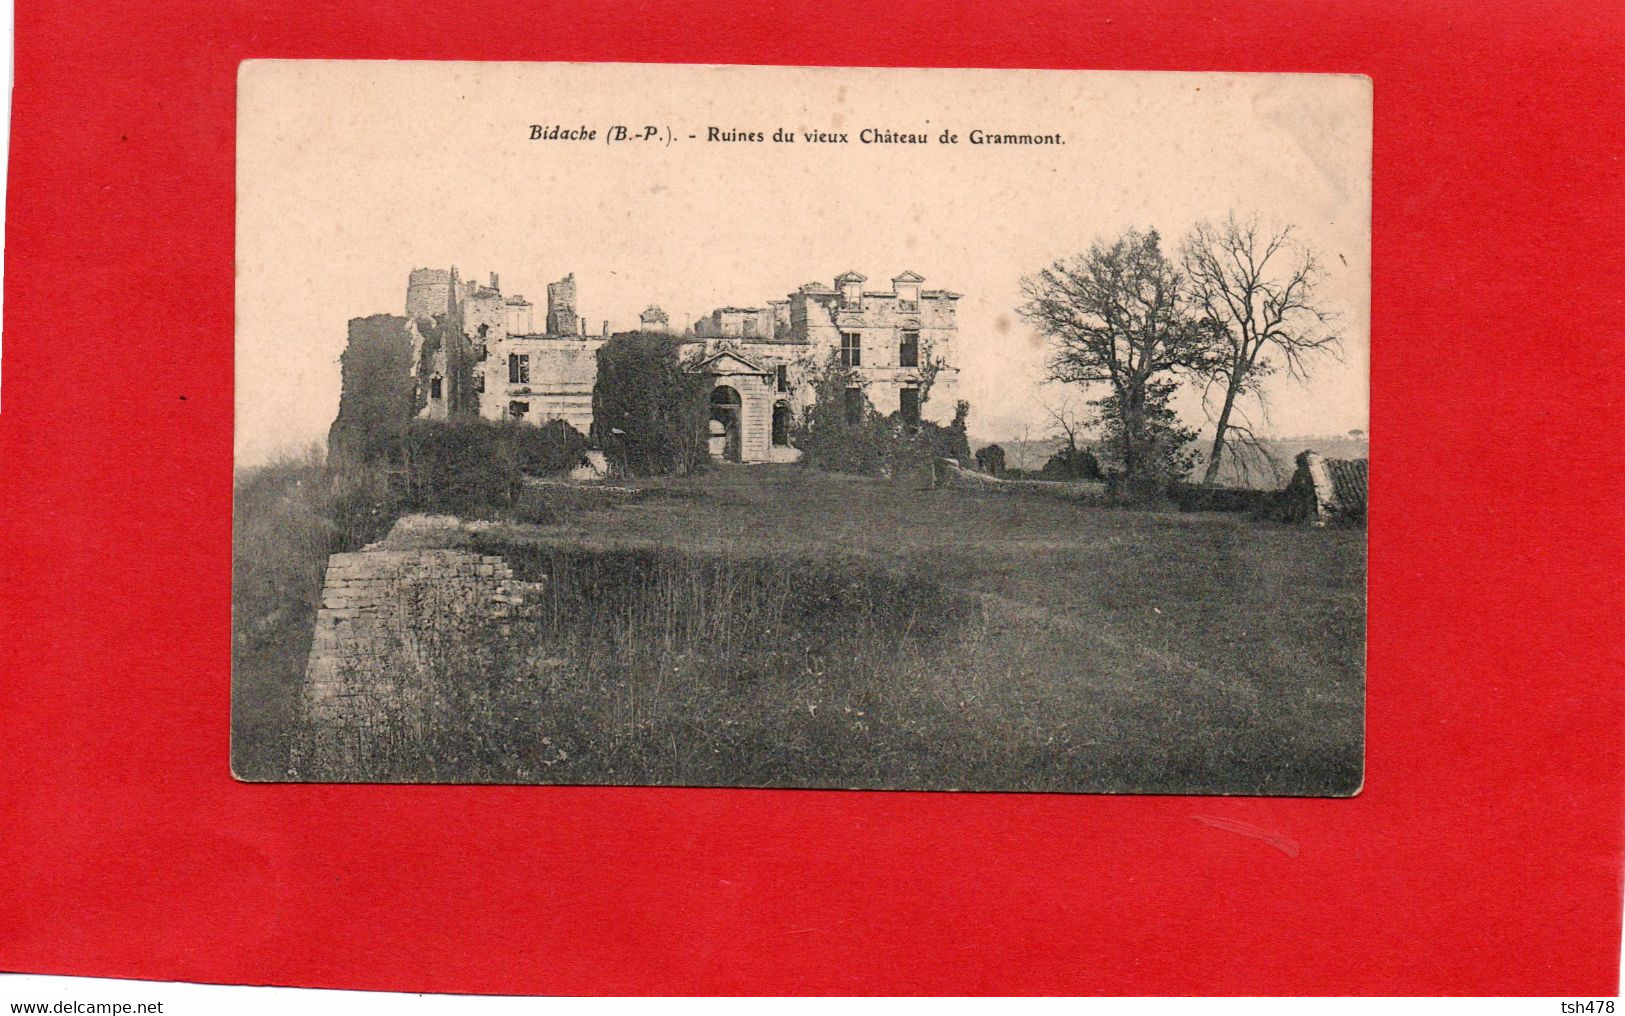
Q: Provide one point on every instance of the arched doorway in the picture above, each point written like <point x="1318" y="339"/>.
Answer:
<point x="725" y="410"/>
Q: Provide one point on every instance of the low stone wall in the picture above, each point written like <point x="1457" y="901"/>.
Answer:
<point x="379" y="608"/>
<point x="948" y="473"/>
<point x="1322" y="491"/>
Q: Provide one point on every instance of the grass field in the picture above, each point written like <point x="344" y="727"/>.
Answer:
<point x="1268" y="467"/>
<point x="775" y="626"/>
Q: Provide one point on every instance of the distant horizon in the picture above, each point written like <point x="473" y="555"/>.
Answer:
<point x="977" y="438"/>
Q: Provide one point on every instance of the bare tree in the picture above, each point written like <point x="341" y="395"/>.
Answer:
<point x="1259" y="285"/>
<point x="1068" y="425"/>
<point x="1252" y="458"/>
<point x="1070" y="461"/>
<point x="1118" y="315"/>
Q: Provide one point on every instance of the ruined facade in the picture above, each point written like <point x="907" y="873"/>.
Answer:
<point x="896" y="348"/>
<point x="477" y="354"/>
<point x="474" y="354"/>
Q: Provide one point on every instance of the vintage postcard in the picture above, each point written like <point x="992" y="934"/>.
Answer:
<point x="801" y="427"/>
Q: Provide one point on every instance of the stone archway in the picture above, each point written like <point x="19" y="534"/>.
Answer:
<point x="726" y="410"/>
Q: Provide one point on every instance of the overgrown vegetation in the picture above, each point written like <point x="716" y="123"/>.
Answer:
<point x="842" y="432"/>
<point x="289" y="515"/>
<point x="990" y="460"/>
<point x="1145" y="449"/>
<point x="476" y="466"/>
<point x="649" y="414"/>
<point x="287" y="518"/>
<point x="1071" y="462"/>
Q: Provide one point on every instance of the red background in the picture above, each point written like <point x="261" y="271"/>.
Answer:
<point x="1483" y="857"/>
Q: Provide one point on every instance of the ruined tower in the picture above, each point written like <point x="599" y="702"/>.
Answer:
<point x="427" y="292"/>
<point x="459" y="363"/>
<point x="561" y="307"/>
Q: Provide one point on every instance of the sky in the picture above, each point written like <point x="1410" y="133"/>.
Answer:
<point x="351" y="173"/>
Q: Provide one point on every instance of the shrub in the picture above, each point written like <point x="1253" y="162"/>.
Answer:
<point x="836" y="435"/>
<point x="649" y="414"/>
<point x="990" y="460"/>
<point x="839" y="436"/>
<point x="552" y="449"/>
<point x="1192" y="497"/>
<point x="1151" y="450"/>
<point x="470" y="466"/>
<point x="938" y="442"/>
<point x="880" y="445"/>
<point x="1070" y="463"/>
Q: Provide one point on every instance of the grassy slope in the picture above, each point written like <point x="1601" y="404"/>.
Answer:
<point x="1115" y="649"/>
<point x="1101" y="649"/>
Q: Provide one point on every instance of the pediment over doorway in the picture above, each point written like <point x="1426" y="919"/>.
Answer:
<point x="727" y="363"/>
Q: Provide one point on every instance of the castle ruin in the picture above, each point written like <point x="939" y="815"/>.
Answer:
<point x="474" y="353"/>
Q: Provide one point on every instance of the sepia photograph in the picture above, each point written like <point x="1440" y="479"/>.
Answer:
<point x="772" y="427"/>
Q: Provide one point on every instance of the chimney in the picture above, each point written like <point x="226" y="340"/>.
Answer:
<point x="494" y="282"/>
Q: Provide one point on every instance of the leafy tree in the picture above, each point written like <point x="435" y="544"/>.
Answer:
<point x="1160" y="443"/>
<point x="649" y="413"/>
<point x="1258" y="285"/>
<point x="990" y="460"/>
<point x="1119" y="316"/>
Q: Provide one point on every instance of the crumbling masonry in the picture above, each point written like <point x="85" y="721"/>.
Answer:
<point x="382" y="609"/>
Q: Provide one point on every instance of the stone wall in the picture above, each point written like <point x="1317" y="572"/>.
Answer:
<point x="485" y="320"/>
<point x="382" y="610"/>
<point x="756" y="416"/>
<point x="947" y="473"/>
<point x="879" y="319"/>
<point x="1325" y="491"/>
<point x="797" y="358"/>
